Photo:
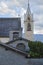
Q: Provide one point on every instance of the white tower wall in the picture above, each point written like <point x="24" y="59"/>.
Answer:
<point x="28" y="34"/>
<point x="28" y="25"/>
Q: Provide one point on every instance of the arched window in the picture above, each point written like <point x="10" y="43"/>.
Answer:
<point x="21" y="46"/>
<point x="29" y="27"/>
<point x="28" y="18"/>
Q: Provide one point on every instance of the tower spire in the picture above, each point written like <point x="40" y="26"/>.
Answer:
<point x="28" y="3"/>
<point x="28" y="9"/>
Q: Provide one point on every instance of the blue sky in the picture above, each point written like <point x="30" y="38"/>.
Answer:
<point x="13" y="8"/>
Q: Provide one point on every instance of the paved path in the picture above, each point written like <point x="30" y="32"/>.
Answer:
<point x="12" y="58"/>
<point x="35" y="61"/>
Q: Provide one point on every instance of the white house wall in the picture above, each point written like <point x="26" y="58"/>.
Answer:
<point x="4" y="40"/>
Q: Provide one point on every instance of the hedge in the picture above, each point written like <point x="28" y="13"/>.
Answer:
<point x="36" y="49"/>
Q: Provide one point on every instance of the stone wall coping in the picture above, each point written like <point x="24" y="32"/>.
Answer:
<point x="20" y="38"/>
<point x="14" y="49"/>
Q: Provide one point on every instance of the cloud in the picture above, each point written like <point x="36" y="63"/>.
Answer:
<point x="37" y="9"/>
<point x="22" y="12"/>
<point x="38" y="17"/>
<point x="4" y="9"/>
<point x="17" y="3"/>
<point x="3" y="5"/>
<point x="38" y="2"/>
<point x="8" y="7"/>
<point x="38" y="23"/>
<point x="38" y="31"/>
<point x="21" y="3"/>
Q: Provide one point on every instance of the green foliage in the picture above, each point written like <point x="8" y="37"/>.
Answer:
<point x="34" y="55"/>
<point x="36" y="49"/>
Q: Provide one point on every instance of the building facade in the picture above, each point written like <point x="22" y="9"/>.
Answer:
<point x="10" y="28"/>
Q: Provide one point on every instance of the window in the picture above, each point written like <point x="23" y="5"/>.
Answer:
<point x="20" y="46"/>
<point x="28" y="27"/>
<point x="15" y="34"/>
<point x="28" y="18"/>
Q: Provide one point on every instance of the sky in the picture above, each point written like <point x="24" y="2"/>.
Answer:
<point x="15" y="8"/>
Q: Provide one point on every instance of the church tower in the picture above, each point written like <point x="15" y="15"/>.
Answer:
<point x="28" y="24"/>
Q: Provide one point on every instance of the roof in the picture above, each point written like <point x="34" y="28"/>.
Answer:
<point x="9" y="24"/>
<point x="20" y="38"/>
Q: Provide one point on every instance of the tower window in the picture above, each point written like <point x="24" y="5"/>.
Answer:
<point x="28" y="27"/>
<point x="15" y="34"/>
<point x="28" y="18"/>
